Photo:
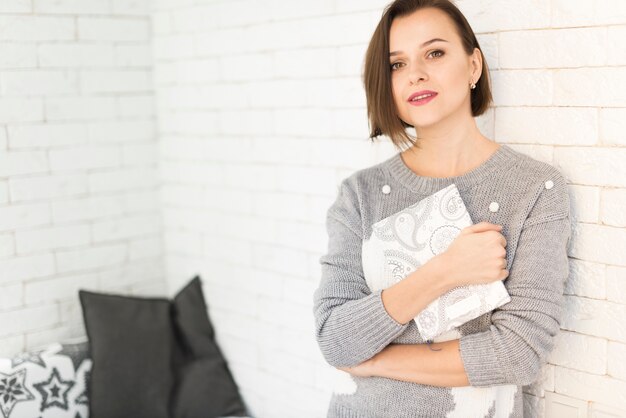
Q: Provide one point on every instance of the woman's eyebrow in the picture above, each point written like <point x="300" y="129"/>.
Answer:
<point x="423" y="45"/>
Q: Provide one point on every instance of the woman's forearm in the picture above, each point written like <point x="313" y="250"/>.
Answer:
<point x="419" y="363"/>
<point x="406" y="299"/>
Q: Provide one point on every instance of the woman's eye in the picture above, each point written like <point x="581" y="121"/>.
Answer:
<point x="393" y="66"/>
<point x="438" y="50"/>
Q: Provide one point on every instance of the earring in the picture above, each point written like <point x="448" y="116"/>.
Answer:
<point x="473" y="86"/>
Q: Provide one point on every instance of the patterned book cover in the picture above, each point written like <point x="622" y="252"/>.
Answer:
<point x="402" y="242"/>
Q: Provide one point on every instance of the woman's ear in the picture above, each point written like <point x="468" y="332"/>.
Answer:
<point x="476" y="64"/>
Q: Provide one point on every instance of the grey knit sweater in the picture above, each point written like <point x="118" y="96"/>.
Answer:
<point x="501" y="350"/>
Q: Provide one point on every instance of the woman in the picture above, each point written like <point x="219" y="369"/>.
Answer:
<point x="424" y="69"/>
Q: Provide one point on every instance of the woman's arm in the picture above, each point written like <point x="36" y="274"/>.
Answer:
<point x="437" y="365"/>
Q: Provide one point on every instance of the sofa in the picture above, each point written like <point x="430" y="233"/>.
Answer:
<point x="141" y="357"/>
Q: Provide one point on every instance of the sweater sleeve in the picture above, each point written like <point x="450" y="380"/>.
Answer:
<point x="522" y="332"/>
<point x="352" y="324"/>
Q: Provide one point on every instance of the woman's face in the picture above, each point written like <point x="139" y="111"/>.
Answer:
<point x="441" y="67"/>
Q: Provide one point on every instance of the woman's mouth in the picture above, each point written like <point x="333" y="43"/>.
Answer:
<point x="422" y="99"/>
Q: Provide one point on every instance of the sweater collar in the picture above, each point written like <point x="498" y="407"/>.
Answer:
<point x="500" y="159"/>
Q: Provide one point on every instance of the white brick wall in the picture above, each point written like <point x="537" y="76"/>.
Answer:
<point x="78" y="163"/>
<point x="259" y="113"/>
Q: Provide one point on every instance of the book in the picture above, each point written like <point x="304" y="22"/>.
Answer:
<point x="404" y="241"/>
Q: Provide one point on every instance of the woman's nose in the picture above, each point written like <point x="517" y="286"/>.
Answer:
<point x="416" y="73"/>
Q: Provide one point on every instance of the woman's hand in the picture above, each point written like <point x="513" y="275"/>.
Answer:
<point x="476" y="256"/>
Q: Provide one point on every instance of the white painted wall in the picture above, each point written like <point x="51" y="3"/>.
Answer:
<point x="260" y="113"/>
<point x="79" y="189"/>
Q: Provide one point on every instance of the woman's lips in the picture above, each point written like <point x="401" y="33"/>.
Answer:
<point x="422" y="101"/>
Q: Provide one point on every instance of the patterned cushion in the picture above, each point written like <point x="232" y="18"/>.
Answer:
<point x="49" y="382"/>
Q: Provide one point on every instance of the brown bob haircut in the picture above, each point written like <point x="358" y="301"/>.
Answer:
<point x="381" y="109"/>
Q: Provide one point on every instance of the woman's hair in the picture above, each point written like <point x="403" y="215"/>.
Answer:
<point x="381" y="108"/>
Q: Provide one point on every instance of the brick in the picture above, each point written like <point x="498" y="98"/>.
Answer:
<point x="126" y="227"/>
<point x="175" y="46"/>
<point x="228" y="250"/>
<point x="281" y="206"/>
<point x="612" y="203"/>
<point x="91" y="258"/>
<point x="133" y="56"/>
<point x="143" y="248"/>
<point x="244" y="227"/>
<point x="331" y="93"/>
<point x="85" y="157"/>
<point x="36" y="28"/>
<point x="569" y="13"/>
<point x="4" y="192"/>
<point x="230" y="299"/>
<point x="136" y="7"/>
<point x="616" y="284"/>
<point x="256" y="120"/>
<point x="289" y="122"/>
<point x="194" y="19"/>
<point x="279" y="259"/>
<point x="615" y="358"/>
<point x="611" y="126"/>
<point x="115" y="81"/>
<point x="594" y="87"/>
<point x="122" y="179"/>
<point x="16" y="6"/>
<point x="26" y="268"/>
<point x="580" y="352"/>
<point x="552" y="48"/>
<point x="52" y="238"/>
<point x="562" y="126"/>
<point x="58" y="288"/>
<point x="522" y="88"/>
<point x="47" y="187"/>
<point x="139" y="154"/>
<point x="139" y="106"/>
<point x="20" y="55"/>
<point x="21" y="110"/>
<point x="581" y="385"/>
<point x="118" y="276"/>
<point x="7" y="247"/>
<point x="40" y="339"/>
<point x="598" y="243"/>
<point x="121" y="131"/>
<point x="22" y="162"/>
<point x="49" y="135"/>
<point x="311" y="179"/>
<point x="592" y="166"/>
<point x="113" y="29"/>
<point x="24" y="216"/>
<point x="70" y="7"/>
<point x="586" y="279"/>
<point x="609" y="12"/>
<point x="305" y="63"/>
<point x="40" y="83"/>
<point x="594" y="318"/>
<point x="585" y="203"/>
<point x="348" y="60"/>
<point x="80" y="108"/>
<point x="506" y="15"/>
<point x="301" y="235"/>
<point x="237" y="67"/>
<point x="87" y="208"/>
<point x="76" y="55"/>
<point x="11" y="296"/>
<point x="12" y="345"/>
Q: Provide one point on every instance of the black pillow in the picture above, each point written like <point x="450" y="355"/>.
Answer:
<point x="155" y="358"/>
<point x="204" y="386"/>
<point x="130" y="345"/>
